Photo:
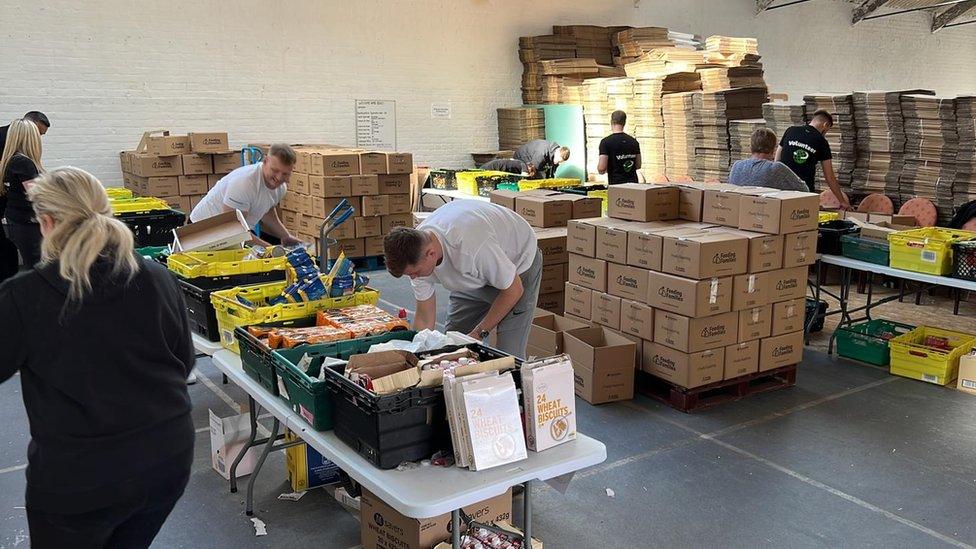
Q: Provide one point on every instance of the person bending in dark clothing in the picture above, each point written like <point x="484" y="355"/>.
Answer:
<point x="102" y="343"/>
<point x="546" y="156"/>
<point x="38" y="118"/>
<point x="21" y="162"/>
<point x="510" y="165"/>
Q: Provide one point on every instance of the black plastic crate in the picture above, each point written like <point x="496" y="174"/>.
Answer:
<point x="812" y="308"/>
<point x="153" y="228"/>
<point x="256" y="357"/>
<point x="964" y="260"/>
<point x="196" y="293"/>
<point x="829" y="233"/>
<point x="445" y="180"/>
<point x="388" y="430"/>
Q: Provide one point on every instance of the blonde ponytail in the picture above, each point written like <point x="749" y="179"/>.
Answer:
<point x="84" y="228"/>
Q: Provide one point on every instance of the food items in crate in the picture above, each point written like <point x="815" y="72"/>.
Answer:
<point x="286" y="338"/>
<point x="937" y="342"/>
<point x="361" y="320"/>
<point x="343" y="278"/>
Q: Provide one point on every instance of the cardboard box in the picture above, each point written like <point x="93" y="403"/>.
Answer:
<point x="765" y="250"/>
<point x="190" y="185"/>
<point x="755" y="323"/>
<point x="880" y="231"/>
<point x="505" y="199"/>
<point x="580" y="236"/>
<point x="640" y="202"/>
<point x="399" y="163"/>
<point x="588" y="272"/>
<point x="750" y="290"/>
<point x="637" y="319"/>
<point x="627" y="282"/>
<point x="966" y="380"/>
<point x="185" y="204"/>
<point x="788" y="316"/>
<point x="291" y="220"/>
<point x="364" y="185"/>
<point x="227" y="438"/>
<point x="394" y="183"/>
<point x="584" y="207"/>
<point x="603" y="364"/>
<point x="226" y="162"/>
<point x="695" y="334"/>
<point x="722" y="206"/>
<point x="213" y="179"/>
<point x="197" y="164"/>
<point x="547" y="330"/>
<point x="373" y="245"/>
<point x="688" y="297"/>
<point x="194" y="200"/>
<point x="644" y="244"/>
<point x="375" y="205"/>
<point x="553" y="278"/>
<point x="606" y="310"/>
<point x="779" y="351"/>
<point x="159" y="186"/>
<point x="691" y="199"/>
<point x="331" y="186"/>
<point x="611" y="243"/>
<point x="399" y="204"/>
<point x="391" y="222"/>
<point x="703" y="255"/>
<point x="382" y="527"/>
<point x="638" y="346"/>
<point x="800" y="249"/>
<point x="544" y="211"/>
<point x="333" y="163"/>
<point x="209" y="142"/>
<point x="167" y="145"/>
<point x="688" y="370"/>
<point x="355" y="247"/>
<point x="780" y="212"/>
<point x="787" y="284"/>
<point x="145" y="165"/>
<point x="309" y="224"/>
<point x="552" y="245"/>
<point x="741" y="359"/>
<point x="346" y="231"/>
<point x="368" y="226"/>
<point x="307" y="468"/>
<point x="579" y="301"/>
<point x="372" y="163"/>
<point x="553" y="302"/>
<point x="220" y="232"/>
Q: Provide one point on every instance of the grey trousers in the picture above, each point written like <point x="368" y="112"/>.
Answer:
<point x="468" y="308"/>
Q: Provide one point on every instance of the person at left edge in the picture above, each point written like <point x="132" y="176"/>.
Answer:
<point x="38" y="118"/>
<point x="255" y="190"/>
<point x="620" y="156"/>
<point x="20" y="163"/>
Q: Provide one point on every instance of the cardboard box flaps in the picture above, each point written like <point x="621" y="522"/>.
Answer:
<point x="392" y="371"/>
<point x="603" y="363"/>
<point x="220" y="232"/>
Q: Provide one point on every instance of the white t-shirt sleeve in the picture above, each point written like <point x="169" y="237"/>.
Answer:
<point x="495" y="267"/>
<point x="423" y="289"/>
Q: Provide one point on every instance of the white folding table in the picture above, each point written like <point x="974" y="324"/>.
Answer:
<point x="417" y="493"/>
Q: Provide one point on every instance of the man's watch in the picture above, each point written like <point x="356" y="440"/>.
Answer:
<point x="483" y="334"/>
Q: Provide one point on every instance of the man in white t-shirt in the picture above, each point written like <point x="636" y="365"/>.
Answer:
<point x="255" y="190"/>
<point x="486" y="255"/>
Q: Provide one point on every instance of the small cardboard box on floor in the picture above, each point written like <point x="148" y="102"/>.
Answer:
<point x="966" y="381"/>
<point x="382" y="527"/>
<point x="227" y="438"/>
<point x="603" y="364"/>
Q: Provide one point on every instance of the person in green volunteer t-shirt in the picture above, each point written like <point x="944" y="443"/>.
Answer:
<point x="803" y="147"/>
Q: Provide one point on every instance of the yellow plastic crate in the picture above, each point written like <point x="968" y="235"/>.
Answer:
<point x="231" y="313"/>
<point x="138" y="205"/>
<point x="827" y="216"/>
<point x="467" y="182"/>
<point x="222" y="263"/>
<point x="911" y="359"/>
<point x="118" y="192"/>
<point x="927" y="250"/>
<point x="602" y="195"/>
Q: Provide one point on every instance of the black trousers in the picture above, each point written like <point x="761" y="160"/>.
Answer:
<point x="130" y="523"/>
<point x="27" y="238"/>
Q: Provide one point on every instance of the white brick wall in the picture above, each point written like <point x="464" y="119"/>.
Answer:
<point x="106" y="70"/>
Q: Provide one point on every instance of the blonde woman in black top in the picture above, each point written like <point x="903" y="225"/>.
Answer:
<point x="21" y="162"/>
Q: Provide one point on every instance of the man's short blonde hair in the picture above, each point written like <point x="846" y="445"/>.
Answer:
<point x="284" y="153"/>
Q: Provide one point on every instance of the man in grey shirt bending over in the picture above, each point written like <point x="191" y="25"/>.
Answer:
<point x="761" y="170"/>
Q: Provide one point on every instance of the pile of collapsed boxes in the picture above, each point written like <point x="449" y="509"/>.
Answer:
<point x="179" y="169"/>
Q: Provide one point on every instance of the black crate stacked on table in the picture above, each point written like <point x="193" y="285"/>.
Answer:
<point x="964" y="186"/>
<point x="842" y="137"/>
<point x="930" y="151"/>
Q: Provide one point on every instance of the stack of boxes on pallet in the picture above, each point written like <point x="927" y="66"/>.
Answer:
<point x="376" y="185"/>
<point x="708" y="280"/>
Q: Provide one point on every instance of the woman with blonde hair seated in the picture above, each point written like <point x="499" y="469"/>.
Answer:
<point x="102" y="343"/>
<point x="21" y="162"/>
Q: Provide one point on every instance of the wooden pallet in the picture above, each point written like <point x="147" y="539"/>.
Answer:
<point x="692" y="400"/>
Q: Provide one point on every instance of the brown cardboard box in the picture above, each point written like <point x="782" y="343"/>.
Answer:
<point x="638" y="346"/>
<point x="703" y="255"/>
<point x="144" y="165"/>
<point x="688" y="297"/>
<point x="310" y="224"/>
<point x="382" y="527"/>
<point x="765" y="250"/>
<point x="626" y="281"/>
<point x="695" y="334"/>
<point x="399" y="163"/>
<point x="580" y="319"/>
<point x="644" y="244"/>
<point x="741" y="359"/>
<point x="220" y="232"/>
<point x="399" y="204"/>
<point x="860" y="216"/>
<point x="355" y="247"/>
<point x="722" y="206"/>
<point x="553" y="278"/>
<point x="800" y="249"/>
<point x="553" y="302"/>
<point x="375" y="205"/>
<point x="368" y="226"/>
<point x="588" y="272"/>
<point x="684" y="369"/>
<point x="209" y="142"/>
<point x="334" y="162"/>
<point x="579" y="301"/>
<point x="780" y="212"/>
<point x="691" y="199"/>
<point x="309" y="207"/>
<point x="754" y="323"/>
<point x="194" y="200"/>
<point x="637" y="319"/>
<point x="505" y="199"/>
<point x="197" y="164"/>
<point x="394" y="183"/>
<point x="787" y="284"/>
<point x="391" y="222"/>
<point x="966" y="380"/>
<point x="346" y="231"/>
<point x="611" y="241"/>
<point x="330" y="187"/>
<point x="750" y="290"/>
<point x="552" y="245"/>
<point x="544" y="211"/>
<point x="879" y="232"/>
<point x="788" y="316"/>
<point x="185" y="205"/>
<point x="373" y="245"/>
<point x="291" y="220"/>
<point x="364" y="185"/>
<point x="302" y="165"/>
<point x="580" y="236"/>
<point x="606" y="310"/>
<point x="640" y="202"/>
<point x="167" y="145"/>
<point x="546" y="332"/>
<point x="584" y="207"/>
<point x="190" y="185"/>
<point x="125" y="161"/>
<point x="603" y="364"/>
<point x="226" y="162"/>
<point x="372" y="163"/>
<point x="299" y="183"/>
<point x="779" y="351"/>
<point x="160" y="186"/>
<point x="213" y="179"/>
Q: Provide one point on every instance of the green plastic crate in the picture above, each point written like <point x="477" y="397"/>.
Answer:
<point x="153" y="253"/>
<point x="865" y="249"/>
<point x="309" y="397"/>
<point x="863" y="341"/>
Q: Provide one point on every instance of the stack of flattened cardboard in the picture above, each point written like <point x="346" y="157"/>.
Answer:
<point x="598" y="105"/>
<point x="964" y="186"/>
<point x="519" y="125"/>
<point x="679" y="135"/>
<point x="730" y="44"/>
<point x="646" y="118"/>
<point x="842" y="137"/>
<point x="713" y="111"/>
<point x="635" y="42"/>
<point x="532" y="51"/>
<point x="591" y="40"/>
<point x="740" y="136"/>
<point x="664" y="61"/>
<point x="723" y="78"/>
<point x="930" y="150"/>
<point x="782" y="115"/>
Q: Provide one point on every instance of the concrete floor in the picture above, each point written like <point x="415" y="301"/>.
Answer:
<point x="849" y="457"/>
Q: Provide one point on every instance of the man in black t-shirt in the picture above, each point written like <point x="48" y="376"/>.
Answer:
<point x="803" y="147"/>
<point x="620" y="156"/>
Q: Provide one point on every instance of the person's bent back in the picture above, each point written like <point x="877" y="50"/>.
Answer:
<point x="760" y="170"/>
<point x="102" y="343"/>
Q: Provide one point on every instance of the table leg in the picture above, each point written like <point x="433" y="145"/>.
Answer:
<point x="253" y="407"/>
<point x="225" y="379"/>
<point x="867" y="306"/>
<point x="456" y="529"/>
<point x="844" y="315"/>
<point x="249" y="505"/>
<point x="527" y="511"/>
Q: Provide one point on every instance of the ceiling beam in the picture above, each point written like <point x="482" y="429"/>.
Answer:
<point x="866" y="8"/>
<point x="942" y="20"/>
<point x="762" y="5"/>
